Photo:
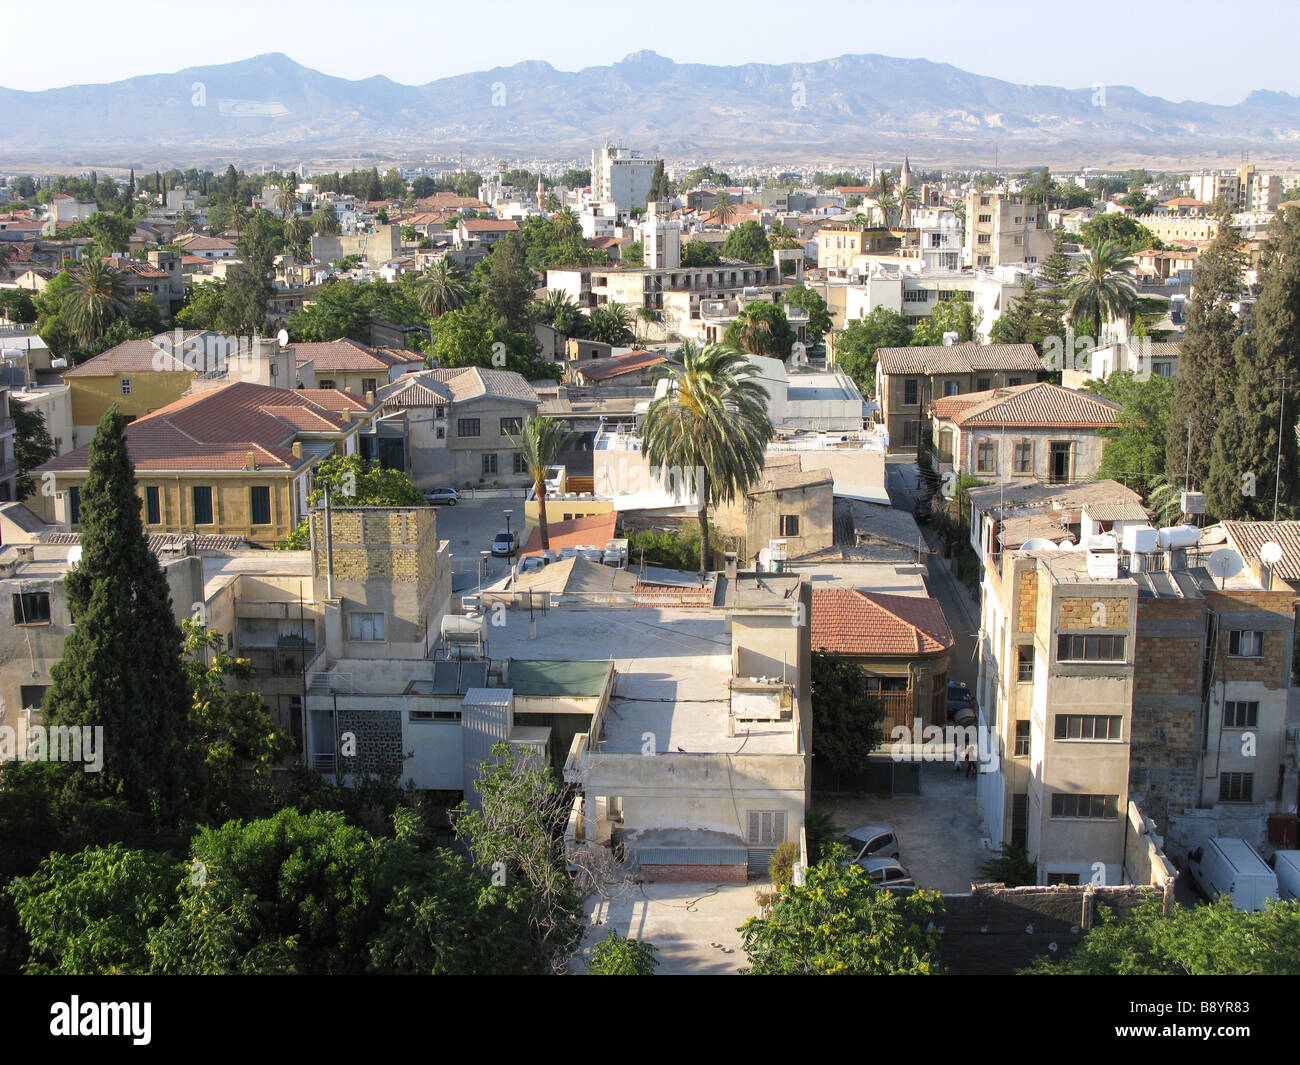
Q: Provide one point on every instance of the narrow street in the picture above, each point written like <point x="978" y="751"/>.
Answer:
<point x="902" y="482"/>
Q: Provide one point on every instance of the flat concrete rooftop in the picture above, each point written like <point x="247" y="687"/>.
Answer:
<point x="673" y="669"/>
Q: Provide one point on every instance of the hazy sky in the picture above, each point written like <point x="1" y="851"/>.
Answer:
<point x="1185" y="51"/>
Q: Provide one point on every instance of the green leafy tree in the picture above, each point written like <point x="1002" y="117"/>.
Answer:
<point x="352" y="481"/>
<point x="1138" y="447"/>
<point x="846" y="721"/>
<point x="1204" y="387"/>
<point x="294" y="893"/>
<point x="1119" y="229"/>
<point x="468" y="337"/>
<point x="710" y="426"/>
<point x="509" y="284"/>
<point x="748" y="243"/>
<point x="92" y="912"/>
<point x="16" y="304"/>
<point x="949" y="316"/>
<point x="819" y="317"/>
<point x="616" y="956"/>
<point x="856" y="345"/>
<point x="1207" y="940"/>
<point x="1253" y="459"/>
<point x="761" y="328"/>
<point x="32" y="445"/>
<point x="203" y="306"/>
<point x="237" y="740"/>
<point x="1031" y="320"/>
<point x="517" y="829"/>
<point x="699" y="253"/>
<point x="839" y="923"/>
<point x="540" y="443"/>
<point x="250" y="284"/>
<point x="111" y="232"/>
<point x="634" y="253"/>
<point x="121" y="667"/>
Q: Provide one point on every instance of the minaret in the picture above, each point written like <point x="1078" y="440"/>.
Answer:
<point x="905" y="179"/>
<point x="541" y="190"/>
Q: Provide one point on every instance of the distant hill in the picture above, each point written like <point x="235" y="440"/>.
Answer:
<point x="852" y="107"/>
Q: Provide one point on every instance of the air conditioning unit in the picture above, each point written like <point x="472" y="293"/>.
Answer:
<point x="1192" y="502"/>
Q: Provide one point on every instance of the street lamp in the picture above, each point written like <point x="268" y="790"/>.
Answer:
<point x="482" y="567"/>
<point x="507" y="513"/>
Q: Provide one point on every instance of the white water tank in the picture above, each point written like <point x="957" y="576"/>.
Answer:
<point x="1173" y="537"/>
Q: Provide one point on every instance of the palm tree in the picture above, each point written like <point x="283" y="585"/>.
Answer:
<point x="444" y="288"/>
<point x="96" y="299"/>
<point x="567" y="224"/>
<point x="541" y="442"/>
<point x="1103" y="288"/>
<point x="907" y="201"/>
<point x="724" y="208"/>
<point x="648" y="317"/>
<point x="287" y="200"/>
<point x="888" y="204"/>
<point x="711" y="425"/>
<point x="611" y="324"/>
<point x="185" y="222"/>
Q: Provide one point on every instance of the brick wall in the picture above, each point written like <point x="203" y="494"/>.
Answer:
<point x="1027" y="598"/>
<point x="707" y="874"/>
<point x="1084" y="613"/>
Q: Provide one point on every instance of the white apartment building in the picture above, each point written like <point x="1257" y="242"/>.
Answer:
<point x="621" y="175"/>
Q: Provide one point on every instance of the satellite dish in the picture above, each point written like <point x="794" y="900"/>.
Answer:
<point x="1038" y="543"/>
<point x="283" y="337"/>
<point x="1270" y="554"/>
<point x="1225" y="563"/>
<point x="74" y="556"/>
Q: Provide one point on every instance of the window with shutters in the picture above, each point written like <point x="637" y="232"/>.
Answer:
<point x="31" y="608"/>
<point x="1237" y="787"/>
<point x="789" y="525"/>
<point x="766" y="827"/>
<point x="152" y="505"/>
<point x="1091" y="807"/>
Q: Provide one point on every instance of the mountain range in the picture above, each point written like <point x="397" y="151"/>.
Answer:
<point x="850" y="109"/>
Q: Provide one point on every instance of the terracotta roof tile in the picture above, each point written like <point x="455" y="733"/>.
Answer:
<point x="1042" y="403"/>
<point x="850" y="622"/>
<point x="958" y="358"/>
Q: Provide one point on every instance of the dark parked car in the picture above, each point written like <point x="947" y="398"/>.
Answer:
<point x="961" y="704"/>
<point x="922" y="512"/>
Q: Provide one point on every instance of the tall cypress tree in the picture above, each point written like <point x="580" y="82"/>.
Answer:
<point x="121" y="666"/>
<point x="1245" y="455"/>
<point x="1205" y="363"/>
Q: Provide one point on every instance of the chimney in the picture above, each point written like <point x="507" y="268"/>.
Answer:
<point x="729" y="564"/>
<point x="297" y="449"/>
<point x="370" y="398"/>
<point x="250" y="463"/>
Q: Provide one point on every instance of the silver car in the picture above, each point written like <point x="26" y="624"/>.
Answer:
<point x="887" y="873"/>
<point x="872" y="841"/>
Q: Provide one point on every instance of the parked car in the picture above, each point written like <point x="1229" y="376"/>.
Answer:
<point x="961" y="704"/>
<point x="505" y="544"/>
<point x="871" y="841"/>
<point x="923" y="511"/>
<point x="888" y="873"/>
<point x="444" y="495"/>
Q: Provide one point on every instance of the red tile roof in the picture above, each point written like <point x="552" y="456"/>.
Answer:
<point x="335" y="356"/>
<point x="1042" y="403"/>
<point x="217" y="430"/>
<point x="489" y="225"/>
<point x="618" y="365"/>
<point x="849" y="622"/>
